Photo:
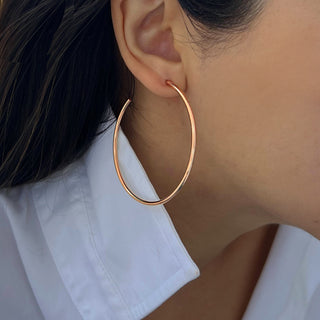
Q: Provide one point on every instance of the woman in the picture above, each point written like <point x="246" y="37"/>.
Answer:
<point x="102" y="221"/>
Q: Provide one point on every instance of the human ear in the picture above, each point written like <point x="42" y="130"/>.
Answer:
<point x="147" y="43"/>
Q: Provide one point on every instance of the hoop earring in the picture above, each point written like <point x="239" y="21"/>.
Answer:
<point x="191" y="158"/>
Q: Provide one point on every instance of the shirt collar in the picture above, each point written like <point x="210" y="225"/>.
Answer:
<point x="117" y="258"/>
<point x="137" y="244"/>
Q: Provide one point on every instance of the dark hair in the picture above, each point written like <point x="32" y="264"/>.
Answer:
<point x="61" y="74"/>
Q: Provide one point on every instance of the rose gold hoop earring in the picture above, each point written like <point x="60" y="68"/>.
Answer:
<point x="191" y="158"/>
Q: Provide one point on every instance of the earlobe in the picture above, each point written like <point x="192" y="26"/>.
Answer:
<point x="146" y="43"/>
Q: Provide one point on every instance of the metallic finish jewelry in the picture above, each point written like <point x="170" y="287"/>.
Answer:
<point x="192" y="152"/>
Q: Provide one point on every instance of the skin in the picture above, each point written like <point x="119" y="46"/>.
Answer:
<point x="256" y="105"/>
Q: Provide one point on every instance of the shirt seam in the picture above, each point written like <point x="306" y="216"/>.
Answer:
<point x="116" y="289"/>
<point x="143" y="304"/>
<point x="54" y="261"/>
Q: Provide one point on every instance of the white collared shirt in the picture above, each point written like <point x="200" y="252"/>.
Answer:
<point x="76" y="246"/>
